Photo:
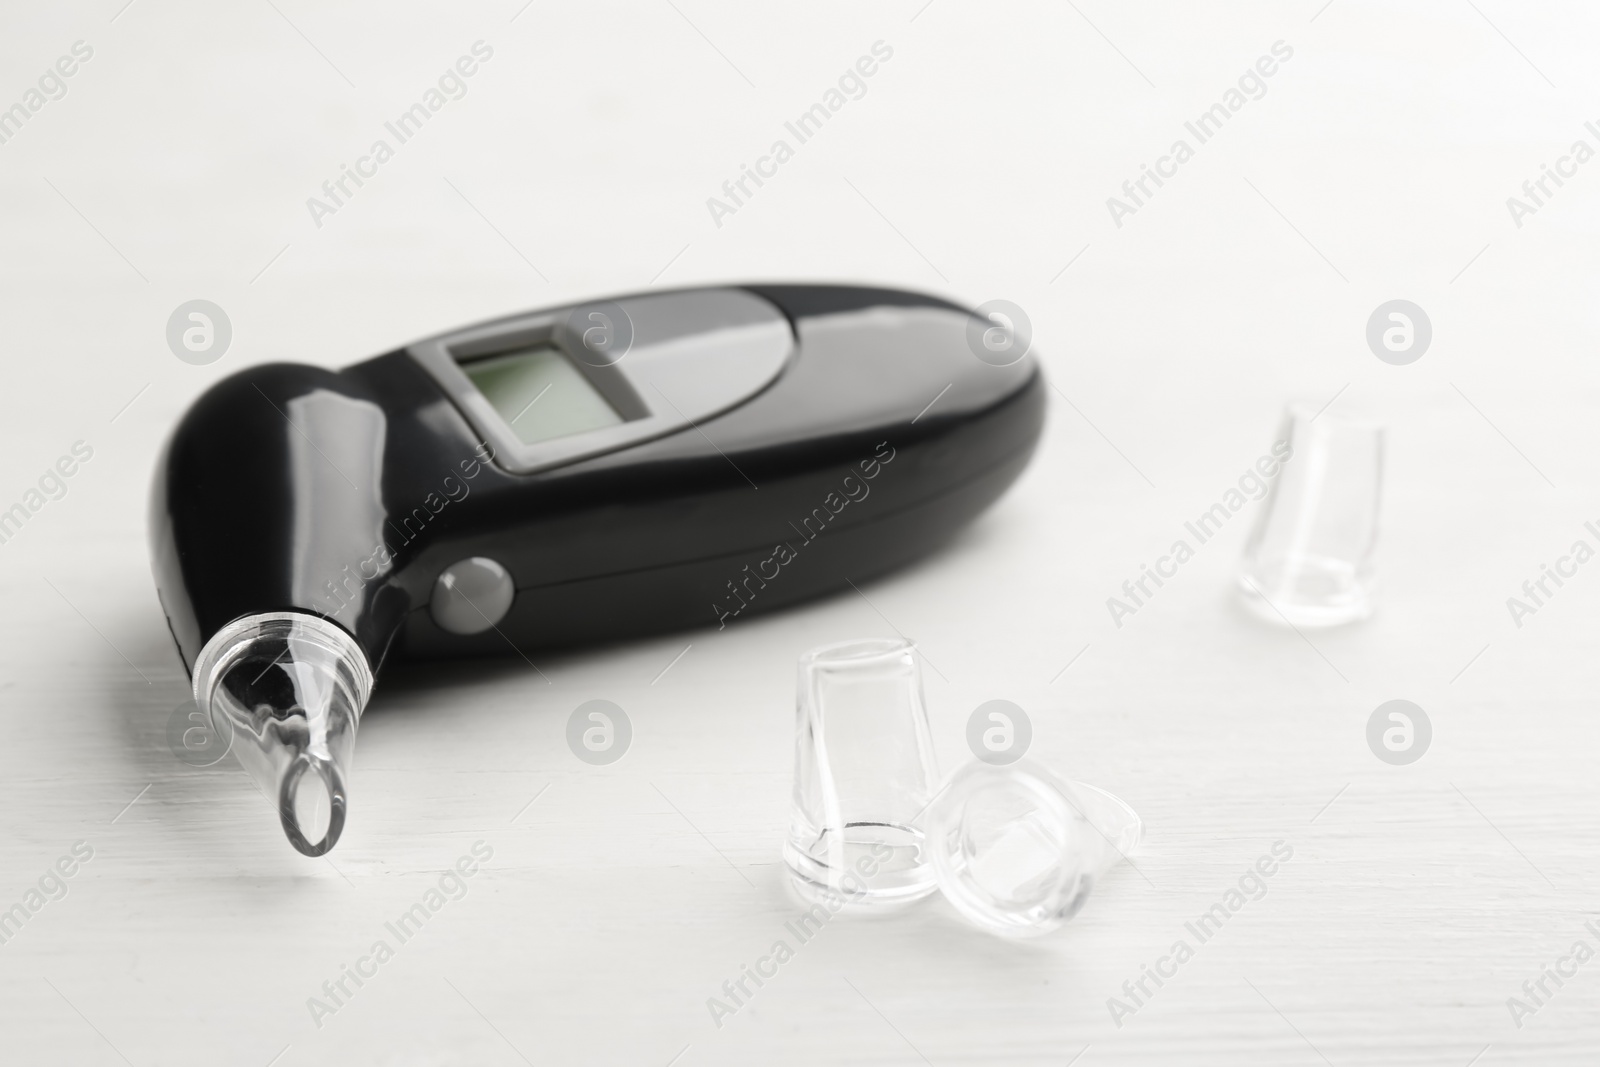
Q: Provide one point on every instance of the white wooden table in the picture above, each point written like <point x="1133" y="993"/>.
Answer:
<point x="977" y="164"/>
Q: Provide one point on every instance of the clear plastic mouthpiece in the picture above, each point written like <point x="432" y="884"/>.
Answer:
<point x="289" y="688"/>
<point x="1018" y="850"/>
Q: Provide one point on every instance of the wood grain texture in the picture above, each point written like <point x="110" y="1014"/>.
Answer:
<point x="618" y="899"/>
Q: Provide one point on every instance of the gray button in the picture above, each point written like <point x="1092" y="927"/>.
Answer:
<point x="471" y="595"/>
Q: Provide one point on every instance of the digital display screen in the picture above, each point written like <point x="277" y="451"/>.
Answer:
<point x="541" y="394"/>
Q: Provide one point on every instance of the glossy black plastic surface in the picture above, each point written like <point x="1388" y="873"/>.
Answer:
<point x="289" y="487"/>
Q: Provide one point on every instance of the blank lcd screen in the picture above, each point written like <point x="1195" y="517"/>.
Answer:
<point x="541" y="394"/>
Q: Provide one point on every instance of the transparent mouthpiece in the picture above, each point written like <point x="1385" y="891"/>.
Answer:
<point x="1018" y="850"/>
<point x="289" y="689"/>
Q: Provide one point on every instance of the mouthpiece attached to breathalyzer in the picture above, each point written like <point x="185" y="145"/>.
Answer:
<point x="288" y="688"/>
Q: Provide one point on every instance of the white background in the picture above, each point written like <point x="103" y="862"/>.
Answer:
<point x="976" y="166"/>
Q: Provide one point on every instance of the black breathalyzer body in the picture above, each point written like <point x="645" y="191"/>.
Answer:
<point x="584" y="474"/>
